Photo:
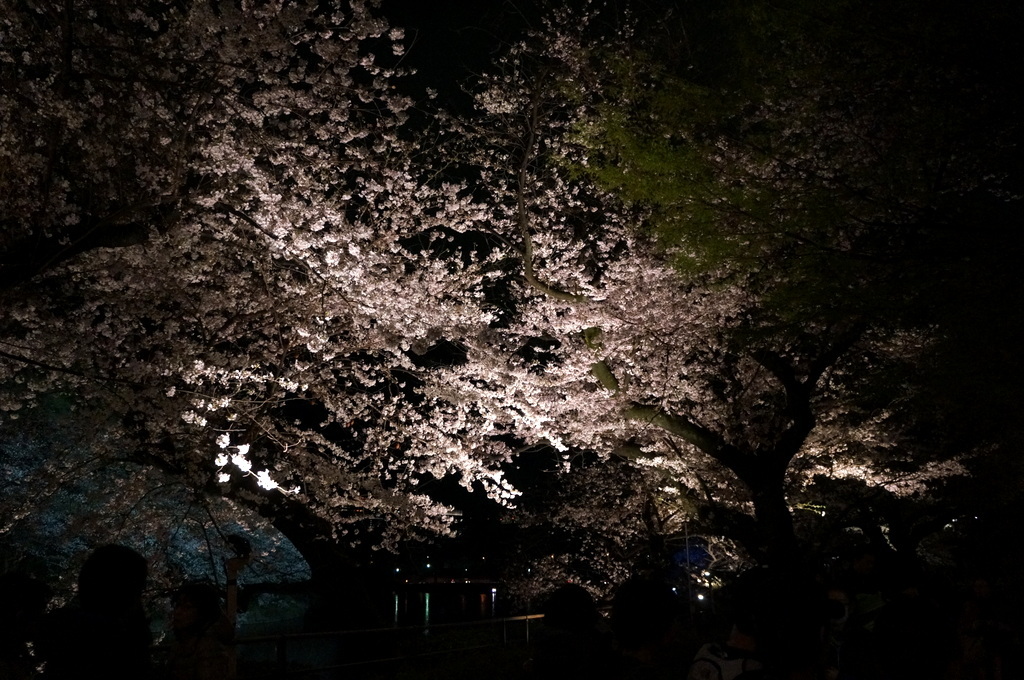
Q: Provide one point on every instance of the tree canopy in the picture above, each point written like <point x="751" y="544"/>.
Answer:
<point x="257" y="256"/>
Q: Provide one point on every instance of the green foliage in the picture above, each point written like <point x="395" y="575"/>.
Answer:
<point x="819" y="148"/>
<point x="648" y="146"/>
<point x="846" y="165"/>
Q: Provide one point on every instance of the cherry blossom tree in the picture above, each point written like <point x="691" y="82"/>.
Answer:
<point x="728" y="375"/>
<point x="217" y="248"/>
<point x="245" y="255"/>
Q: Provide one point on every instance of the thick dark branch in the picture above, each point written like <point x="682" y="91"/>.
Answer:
<point x="32" y="256"/>
<point x="87" y="240"/>
<point x="844" y="342"/>
<point x="704" y="439"/>
<point x="798" y="394"/>
<point x="225" y="208"/>
<point x="524" y="218"/>
<point x="699" y="436"/>
<point x="58" y="369"/>
<point x="603" y="372"/>
<point x="798" y="408"/>
<point x="600" y="369"/>
<point x="68" y="43"/>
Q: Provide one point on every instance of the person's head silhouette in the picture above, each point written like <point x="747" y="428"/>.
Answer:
<point x="112" y="579"/>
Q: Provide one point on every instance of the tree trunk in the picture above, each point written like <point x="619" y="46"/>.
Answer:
<point x="774" y="520"/>
<point x="346" y="595"/>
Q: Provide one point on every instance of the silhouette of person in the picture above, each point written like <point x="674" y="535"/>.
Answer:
<point x="982" y="635"/>
<point x="740" y="655"/>
<point x="736" y="659"/>
<point x="203" y="635"/>
<point x="645" y="623"/>
<point x="910" y="638"/>
<point x="864" y="587"/>
<point x="104" y="634"/>
<point x="836" y="615"/>
<point x="23" y="603"/>
<point x="571" y="644"/>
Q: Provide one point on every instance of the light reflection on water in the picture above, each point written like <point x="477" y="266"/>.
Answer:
<point x="424" y="605"/>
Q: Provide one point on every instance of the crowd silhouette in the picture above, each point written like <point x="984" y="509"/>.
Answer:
<point x="104" y="631"/>
<point x="873" y="618"/>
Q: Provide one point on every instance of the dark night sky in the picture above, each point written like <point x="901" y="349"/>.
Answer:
<point x="449" y="40"/>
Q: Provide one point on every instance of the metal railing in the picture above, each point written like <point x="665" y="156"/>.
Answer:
<point x="326" y="654"/>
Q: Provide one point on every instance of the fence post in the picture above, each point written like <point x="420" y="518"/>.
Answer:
<point x="282" y="654"/>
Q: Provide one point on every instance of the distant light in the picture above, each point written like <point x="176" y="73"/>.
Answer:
<point x="428" y="565"/>
<point x="494" y="590"/>
<point x="700" y="597"/>
<point x="397" y="570"/>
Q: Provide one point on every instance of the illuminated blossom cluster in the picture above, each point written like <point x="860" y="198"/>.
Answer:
<point x="609" y="348"/>
<point x="237" y="249"/>
<point x="256" y="268"/>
